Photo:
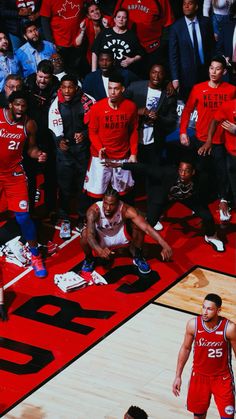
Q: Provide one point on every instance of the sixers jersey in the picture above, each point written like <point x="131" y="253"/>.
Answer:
<point x="212" y="350"/>
<point x="12" y="139"/>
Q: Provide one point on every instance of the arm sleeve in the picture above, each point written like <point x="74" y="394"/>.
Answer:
<point x="93" y="130"/>
<point x="134" y="133"/>
<point x="174" y="54"/>
<point x="188" y="109"/>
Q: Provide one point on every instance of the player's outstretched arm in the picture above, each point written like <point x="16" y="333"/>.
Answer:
<point x="141" y="223"/>
<point x="183" y="356"/>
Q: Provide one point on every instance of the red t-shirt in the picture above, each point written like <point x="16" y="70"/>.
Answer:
<point x="65" y="17"/>
<point x="114" y="129"/>
<point x="206" y="100"/>
<point x="228" y="111"/>
<point x="12" y="140"/>
<point x="211" y="349"/>
<point x="149" y="16"/>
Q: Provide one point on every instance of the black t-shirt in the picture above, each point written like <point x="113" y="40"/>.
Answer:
<point x="124" y="44"/>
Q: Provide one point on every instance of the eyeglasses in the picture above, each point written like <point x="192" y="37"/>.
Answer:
<point x="10" y="87"/>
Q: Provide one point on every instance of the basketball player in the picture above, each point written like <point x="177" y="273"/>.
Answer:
<point x="113" y="133"/>
<point x="107" y="221"/>
<point x="213" y="336"/>
<point x="134" y="412"/>
<point x="16" y="130"/>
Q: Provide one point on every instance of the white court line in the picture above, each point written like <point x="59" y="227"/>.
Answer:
<point x="18" y="277"/>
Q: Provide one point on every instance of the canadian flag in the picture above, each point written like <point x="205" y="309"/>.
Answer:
<point x="69" y="10"/>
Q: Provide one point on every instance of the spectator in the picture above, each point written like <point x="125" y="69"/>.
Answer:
<point x="42" y="86"/>
<point x="15" y="13"/>
<point x="72" y="144"/>
<point x="13" y="82"/>
<point x="226" y="44"/>
<point x="8" y="63"/>
<point x="220" y="14"/>
<point x="96" y="82"/>
<point x="121" y="41"/>
<point x="157" y="113"/>
<point x="33" y="51"/>
<point x="113" y="134"/>
<point x="107" y="221"/>
<point x="60" y="23"/>
<point x="150" y="18"/>
<point x="191" y="43"/>
<point x="226" y="117"/>
<point x="167" y="185"/>
<point x="207" y="97"/>
<point x="91" y="26"/>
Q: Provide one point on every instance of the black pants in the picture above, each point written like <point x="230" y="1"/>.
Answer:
<point x="156" y="209"/>
<point x="71" y="170"/>
<point x="231" y="167"/>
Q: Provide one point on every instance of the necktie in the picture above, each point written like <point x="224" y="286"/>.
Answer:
<point x="195" y="46"/>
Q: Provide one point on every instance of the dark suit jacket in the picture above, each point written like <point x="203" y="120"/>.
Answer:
<point x="181" y="52"/>
<point x="167" y="116"/>
<point x="93" y="83"/>
<point x="225" y="42"/>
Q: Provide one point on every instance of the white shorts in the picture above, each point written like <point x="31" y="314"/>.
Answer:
<point x="118" y="240"/>
<point x="98" y="178"/>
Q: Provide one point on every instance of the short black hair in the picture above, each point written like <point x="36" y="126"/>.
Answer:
<point x="106" y="52"/>
<point x="116" y="77"/>
<point x="220" y="59"/>
<point x="13" y="76"/>
<point x="27" y="25"/>
<point x="215" y="299"/>
<point x="121" y="9"/>
<point x="137" y="413"/>
<point x="70" y="77"/>
<point x="46" y="66"/>
<point x="112" y="192"/>
<point x="18" y="94"/>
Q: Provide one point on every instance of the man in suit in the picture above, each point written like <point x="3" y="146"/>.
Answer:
<point x="96" y="83"/>
<point x="226" y="44"/>
<point x="157" y="112"/>
<point x="191" y="43"/>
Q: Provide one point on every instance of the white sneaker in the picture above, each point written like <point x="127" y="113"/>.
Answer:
<point x="16" y="248"/>
<point x="225" y="217"/>
<point x="158" y="226"/>
<point x="216" y="243"/>
<point x="65" y="230"/>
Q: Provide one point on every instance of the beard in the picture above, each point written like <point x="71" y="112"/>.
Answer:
<point x="36" y="44"/>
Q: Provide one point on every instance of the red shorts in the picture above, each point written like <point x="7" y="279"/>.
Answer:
<point x="201" y="387"/>
<point x="14" y="190"/>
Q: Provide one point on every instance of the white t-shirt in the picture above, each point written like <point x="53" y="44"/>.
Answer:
<point x="105" y="82"/>
<point x="146" y="135"/>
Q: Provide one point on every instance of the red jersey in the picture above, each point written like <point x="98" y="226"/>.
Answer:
<point x="150" y="16"/>
<point x="212" y="350"/>
<point x="206" y="100"/>
<point x="12" y="139"/>
<point x="65" y="17"/>
<point x="114" y="129"/>
<point x="228" y="111"/>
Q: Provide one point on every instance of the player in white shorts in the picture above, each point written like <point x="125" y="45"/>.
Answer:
<point x="106" y="230"/>
<point x="99" y="177"/>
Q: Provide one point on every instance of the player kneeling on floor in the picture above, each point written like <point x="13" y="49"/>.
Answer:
<point x="106" y="230"/>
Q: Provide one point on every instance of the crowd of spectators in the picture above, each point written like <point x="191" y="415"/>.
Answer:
<point x="141" y="61"/>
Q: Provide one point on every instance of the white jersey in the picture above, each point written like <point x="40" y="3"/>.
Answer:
<point x="111" y="231"/>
